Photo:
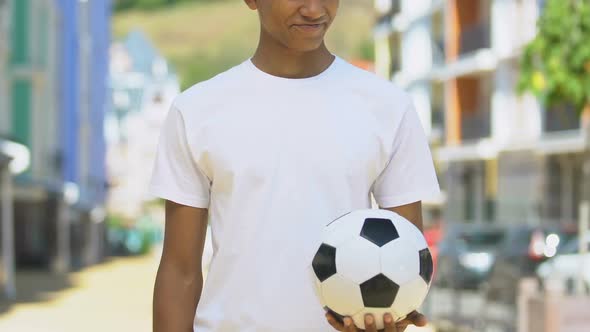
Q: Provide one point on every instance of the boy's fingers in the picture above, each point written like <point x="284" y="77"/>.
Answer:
<point x="417" y="319"/>
<point x="370" y="323"/>
<point x="401" y="327"/>
<point x="334" y="323"/>
<point x="414" y="318"/>
<point x="349" y="325"/>
<point x="389" y="324"/>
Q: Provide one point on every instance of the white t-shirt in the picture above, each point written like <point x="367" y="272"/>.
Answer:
<point x="275" y="160"/>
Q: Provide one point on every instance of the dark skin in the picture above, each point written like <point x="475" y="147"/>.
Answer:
<point x="291" y="45"/>
<point x="179" y="280"/>
<point x="292" y="36"/>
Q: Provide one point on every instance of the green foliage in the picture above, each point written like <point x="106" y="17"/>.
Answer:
<point x="555" y="66"/>
<point x="367" y="50"/>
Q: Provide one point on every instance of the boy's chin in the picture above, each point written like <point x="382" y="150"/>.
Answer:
<point x="308" y="47"/>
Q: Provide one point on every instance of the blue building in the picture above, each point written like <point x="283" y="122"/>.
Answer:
<point x="85" y="38"/>
<point x="53" y="97"/>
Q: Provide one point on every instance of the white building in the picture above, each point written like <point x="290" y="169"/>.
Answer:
<point x="501" y="156"/>
<point x="143" y="89"/>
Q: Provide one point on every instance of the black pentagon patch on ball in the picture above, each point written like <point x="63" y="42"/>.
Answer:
<point x="379" y="292"/>
<point x="379" y="231"/>
<point x="426" y="265"/>
<point x="324" y="262"/>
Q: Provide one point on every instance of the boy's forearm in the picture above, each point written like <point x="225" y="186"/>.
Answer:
<point x="412" y="212"/>
<point x="175" y="300"/>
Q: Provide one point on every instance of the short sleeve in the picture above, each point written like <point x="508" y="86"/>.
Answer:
<point x="410" y="175"/>
<point x="176" y="176"/>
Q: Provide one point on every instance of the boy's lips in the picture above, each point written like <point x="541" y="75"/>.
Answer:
<point x="309" y="28"/>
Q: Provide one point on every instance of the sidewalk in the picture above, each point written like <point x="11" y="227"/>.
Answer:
<point x="112" y="296"/>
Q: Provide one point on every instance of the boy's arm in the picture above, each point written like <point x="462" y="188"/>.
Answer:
<point x="179" y="279"/>
<point x="412" y="212"/>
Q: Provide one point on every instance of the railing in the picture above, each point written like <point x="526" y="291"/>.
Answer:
<point x="474" y="37"/>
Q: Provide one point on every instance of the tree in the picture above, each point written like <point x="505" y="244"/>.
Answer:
<point x="555" y="66"/>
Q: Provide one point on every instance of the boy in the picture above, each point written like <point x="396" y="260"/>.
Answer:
<point x="270" y="152"/>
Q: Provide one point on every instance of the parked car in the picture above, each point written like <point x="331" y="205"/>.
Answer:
<point x="466" y="254"/>
<point x="565" y="266"/>
<point x="524" y="248"/>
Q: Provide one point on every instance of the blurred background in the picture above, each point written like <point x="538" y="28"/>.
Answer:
<point x="502" y="88"/>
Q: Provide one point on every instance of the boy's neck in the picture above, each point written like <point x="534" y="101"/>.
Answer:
<point x="280" y="61"/>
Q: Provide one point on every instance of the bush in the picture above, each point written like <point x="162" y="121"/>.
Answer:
<point x="132" y="237"/>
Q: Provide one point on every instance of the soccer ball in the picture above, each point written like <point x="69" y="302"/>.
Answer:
<point x="372" y="261"/>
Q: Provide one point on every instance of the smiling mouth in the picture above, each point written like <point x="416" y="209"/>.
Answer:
<point x="309" y="27"/>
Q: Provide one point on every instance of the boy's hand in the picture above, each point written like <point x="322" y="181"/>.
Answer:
<point x="414" y="318"/>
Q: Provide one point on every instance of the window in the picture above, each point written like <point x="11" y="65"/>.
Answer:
<point x="563" y="117"/>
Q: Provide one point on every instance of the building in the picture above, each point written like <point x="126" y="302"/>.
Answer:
<point x="502" y="157"/>
<point x="53" y="69"/>
<point x="143" y="86"/>
<point x="14" y="159"/>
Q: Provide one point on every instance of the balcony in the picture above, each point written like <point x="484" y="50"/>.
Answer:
<point x="561" y="118"/>
<point x="475" y="124"/>
<point x="474" y="37"/>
